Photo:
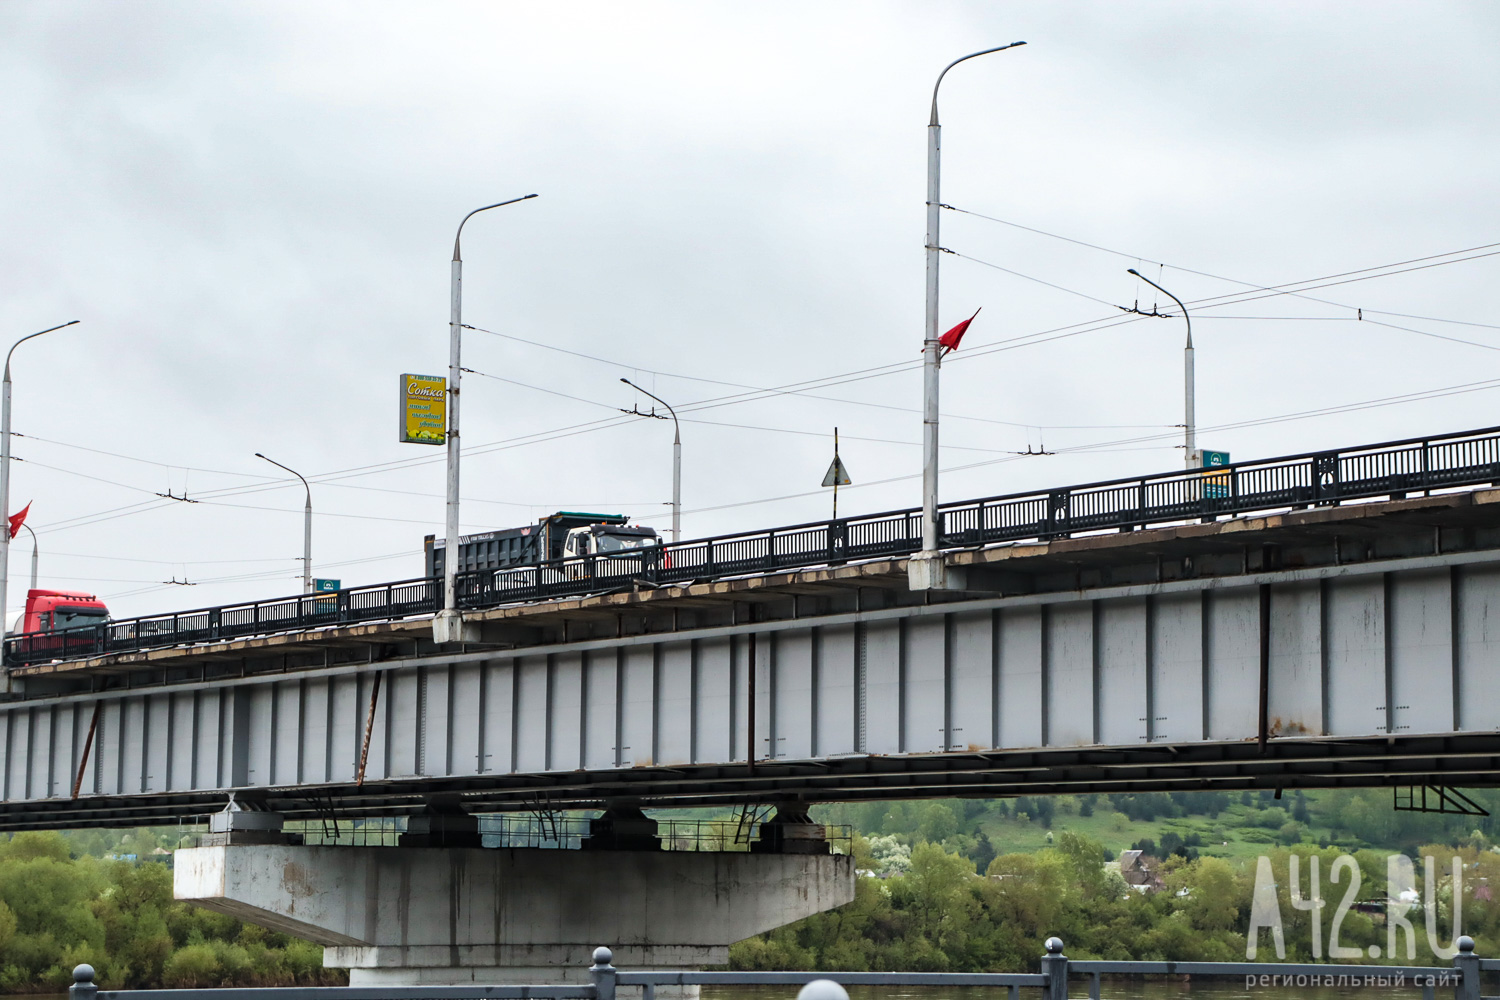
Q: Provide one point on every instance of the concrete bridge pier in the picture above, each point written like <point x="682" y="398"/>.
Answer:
<point x="435" y="915"/>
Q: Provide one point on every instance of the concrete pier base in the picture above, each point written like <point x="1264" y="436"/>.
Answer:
<point x="441" y="915"/>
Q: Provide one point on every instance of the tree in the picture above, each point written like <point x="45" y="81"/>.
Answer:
<point x="31" y="844"/>
<point x="938" y="823"/>
<point x="891" y="857"/>
<point x="942" y="885"/>
<point x="983" y="853"/>
<point x="1299" y="809"/>
<point x="1214" y="899"/>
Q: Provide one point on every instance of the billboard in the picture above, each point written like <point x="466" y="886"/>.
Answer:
<point x="424" y="409"/>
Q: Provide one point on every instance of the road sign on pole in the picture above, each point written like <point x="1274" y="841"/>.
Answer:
<point x="836" y="475"/>
<point x="325" y="586"/>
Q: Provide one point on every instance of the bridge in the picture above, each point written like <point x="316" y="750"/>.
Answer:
<point x="1311" y="621"/>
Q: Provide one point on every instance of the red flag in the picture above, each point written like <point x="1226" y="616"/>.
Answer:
<point x="16" y="520"/>
<point x="950" y="339"/>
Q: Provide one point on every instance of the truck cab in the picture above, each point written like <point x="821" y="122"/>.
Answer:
<point x="605" y="551"/>
<point x="56" y="610"/>
<point x="609" y="540"/>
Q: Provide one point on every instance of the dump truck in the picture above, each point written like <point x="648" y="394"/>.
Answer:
<point x="562" y="536"/>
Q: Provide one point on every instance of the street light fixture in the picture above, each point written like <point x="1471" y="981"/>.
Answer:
<point x="1189" y="378"/>
<point x="676" y="461"/>
<point x="5" y="475"/>
<point x="448" y="625"/>
<point x="307" y="587"/>
<point x="926" y="570"/>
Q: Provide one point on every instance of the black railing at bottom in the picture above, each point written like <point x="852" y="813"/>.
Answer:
<point x="1462" y="977"/>
<point x="1391" y="468"/>
<point x="543" y="829"/>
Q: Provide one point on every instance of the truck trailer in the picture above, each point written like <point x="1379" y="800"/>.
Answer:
<point x="564" y="535"/>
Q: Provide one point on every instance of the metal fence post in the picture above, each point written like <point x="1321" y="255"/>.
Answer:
<point x="603" y="974"/>
<point x="1055" y="968"/>
<point x="83" y="987"/>
<point x="1467" y="964"/>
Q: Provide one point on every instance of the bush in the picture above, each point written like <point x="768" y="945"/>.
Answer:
<point x="1272" y="819"/>
<point x="233" y="959"/>
<point x="193" y="967"/>
<point x="304" y="961"/>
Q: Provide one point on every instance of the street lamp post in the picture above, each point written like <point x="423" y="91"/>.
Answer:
<point x="5" y="475"/>
<point x="1189" y="379"/>
<point x="307" y="587"/>
<point x="33" y="552"/>
<point x="448" y="625"/>
<point x="676" y="462"/>
<point x="926" y="570"/>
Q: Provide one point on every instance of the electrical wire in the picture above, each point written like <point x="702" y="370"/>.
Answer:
<point x="1251" y="284"/>
<point x="1115" y="445"/>
<point x="903" y="366"/>
<point x="1039" y="281"/>
<point x="755" y="394"/>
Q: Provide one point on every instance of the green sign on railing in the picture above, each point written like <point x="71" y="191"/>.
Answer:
<point x="1215" y="487"/>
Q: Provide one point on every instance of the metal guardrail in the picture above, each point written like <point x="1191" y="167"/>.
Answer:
<point x="1463" y="976"/>
<point x="1322" y="478"/>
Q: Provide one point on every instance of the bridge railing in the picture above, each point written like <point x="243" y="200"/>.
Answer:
<point x="1391" y="468"/>
<point x="1323" y="478"/>
<point x="605" y="981"/>
<point x="381" y="601"/>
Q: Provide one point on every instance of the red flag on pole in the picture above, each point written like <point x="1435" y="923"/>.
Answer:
<point x="16" y="520"/>
<point x="950" y="340"/>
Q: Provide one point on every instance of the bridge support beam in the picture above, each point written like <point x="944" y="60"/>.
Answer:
<point x="448" y="915"/>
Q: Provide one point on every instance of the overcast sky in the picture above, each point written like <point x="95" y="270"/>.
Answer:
<point x="251" y="208"/>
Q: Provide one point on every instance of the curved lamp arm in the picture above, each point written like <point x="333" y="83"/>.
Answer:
<point x="1169" y="295"/>
<point x="28" y="337"/>
<point x="476" y="211"/>
<point x="663" y="402"/>
<point x="971" y="55"/>
<point x="292" y="471"/>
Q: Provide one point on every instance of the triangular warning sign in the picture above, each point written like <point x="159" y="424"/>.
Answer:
<point x="837" y="475"/>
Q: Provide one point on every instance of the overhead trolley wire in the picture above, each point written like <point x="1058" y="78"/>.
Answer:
<point x="1105" y="445"/>
<point x="1282" y="289"/>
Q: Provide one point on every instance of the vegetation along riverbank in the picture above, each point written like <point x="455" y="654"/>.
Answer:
<point x="959" y="885"/>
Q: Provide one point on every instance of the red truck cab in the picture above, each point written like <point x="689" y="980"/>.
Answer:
<point x="55" y="610"/>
